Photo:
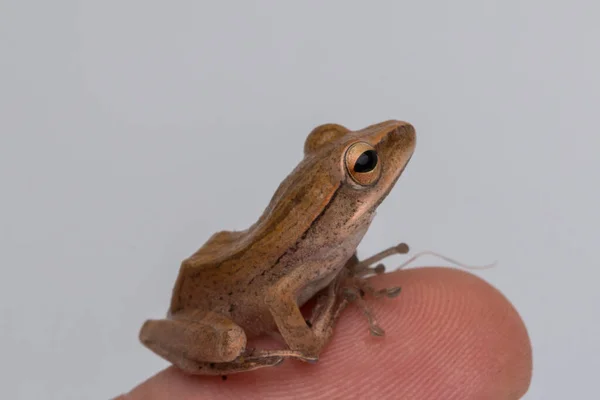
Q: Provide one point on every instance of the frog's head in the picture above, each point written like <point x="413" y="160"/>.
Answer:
<point x="366" y="163"/>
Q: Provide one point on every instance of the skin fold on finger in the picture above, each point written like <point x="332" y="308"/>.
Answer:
<point x="449" y="335"/>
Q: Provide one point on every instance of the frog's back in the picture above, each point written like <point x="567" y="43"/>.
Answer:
<point x="230" y="259"/>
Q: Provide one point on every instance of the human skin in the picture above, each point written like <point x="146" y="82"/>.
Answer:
<point x="449" y="335"/>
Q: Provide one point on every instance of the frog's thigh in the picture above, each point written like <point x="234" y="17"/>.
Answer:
<point x="194" y="336"/>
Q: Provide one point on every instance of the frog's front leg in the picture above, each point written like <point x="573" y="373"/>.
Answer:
<point x="361" y="269"/>
<point x="365" y="267"/>
<point x="356" y="285"/>
<point x="293" y="327"/>
<point x="306" y="338"/>
<point x="309" y="337"/>
<point x="329" y="305"/>
<point x="204" y="343"/>
<point x="350" y="286"/>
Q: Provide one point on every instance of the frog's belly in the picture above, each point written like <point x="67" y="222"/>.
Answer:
<point x="314" y="287"/>
<point x="325" y="269"/>
<point x="325" y="263"/>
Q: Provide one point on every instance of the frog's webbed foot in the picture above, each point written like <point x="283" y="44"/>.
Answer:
<point x="356" y="285"/>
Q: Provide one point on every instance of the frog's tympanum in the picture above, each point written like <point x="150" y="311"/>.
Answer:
<point x="245" y="284"/>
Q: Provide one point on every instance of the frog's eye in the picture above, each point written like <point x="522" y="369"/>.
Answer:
<point x="362" y="164"/>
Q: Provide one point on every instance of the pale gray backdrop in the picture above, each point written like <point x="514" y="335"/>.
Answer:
<point x="132" y="130"/>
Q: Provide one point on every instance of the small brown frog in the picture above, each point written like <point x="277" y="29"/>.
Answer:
<point x="245" y="284"/>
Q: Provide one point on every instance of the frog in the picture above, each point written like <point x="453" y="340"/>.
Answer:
<point x="242" y="285"/>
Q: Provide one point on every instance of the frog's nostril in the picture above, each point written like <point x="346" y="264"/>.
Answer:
<point x="407" y="130"/>
<point x="406" y="136"/>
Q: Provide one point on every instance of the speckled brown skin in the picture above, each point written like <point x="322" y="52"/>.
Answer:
<point x="245" y="284"/>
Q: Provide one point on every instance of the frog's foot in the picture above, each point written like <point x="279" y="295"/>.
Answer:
<point x="355" y="295"/>
<point x="227" y="368"/>
<point x="262" y="354"/>
<point x="250" y="360"/>
<point x="365" y="287"/>
<point x="194" y="367"/>
<point x="356" y="288"/>
<point x="202" y="343"/>
<point x="369" y="271"/>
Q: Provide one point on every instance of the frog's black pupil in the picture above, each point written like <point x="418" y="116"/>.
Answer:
<point x="366" y="162"/>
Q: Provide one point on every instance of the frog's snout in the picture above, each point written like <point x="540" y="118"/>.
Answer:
<point x="406" y="137"/>
<point x="399" y="143"/>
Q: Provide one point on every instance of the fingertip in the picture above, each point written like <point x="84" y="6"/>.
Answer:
<point x="449" y="334"/>
<point x="463" y="333"/>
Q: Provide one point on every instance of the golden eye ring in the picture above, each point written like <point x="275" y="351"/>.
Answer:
<point x="363" y="164"/>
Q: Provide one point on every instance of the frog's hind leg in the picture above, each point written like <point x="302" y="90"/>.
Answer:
<point x="201" y="343"/>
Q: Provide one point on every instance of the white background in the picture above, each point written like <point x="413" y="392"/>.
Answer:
<point x="131" y="131"/>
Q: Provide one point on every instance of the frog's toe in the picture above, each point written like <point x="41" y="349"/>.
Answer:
<point x="376" y="330"/>
<point x="393" y="291"/>
<point x="279" y="362"/>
